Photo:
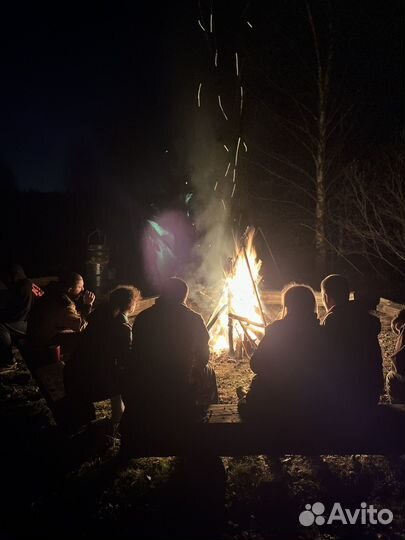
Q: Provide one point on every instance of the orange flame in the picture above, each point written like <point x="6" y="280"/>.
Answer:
<point x="239" y="297"/>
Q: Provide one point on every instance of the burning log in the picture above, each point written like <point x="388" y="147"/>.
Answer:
<point x="214" y="317"/>
<point x="254" y="285"/>
<point x="230" y="336"/>
<point x="250" y="340"/>
<point x="246" y="320"/>
<point x="242" y="342"/>
<point x="229" y="303"/>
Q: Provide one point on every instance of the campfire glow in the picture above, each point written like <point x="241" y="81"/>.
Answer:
<point x="239" y="306"/>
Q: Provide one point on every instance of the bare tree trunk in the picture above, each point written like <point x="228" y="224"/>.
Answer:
<point x="320" y="157"/>
<point x="318" y="129"/>
<point x="320" y="173"/>
<point x="320" y="218"/>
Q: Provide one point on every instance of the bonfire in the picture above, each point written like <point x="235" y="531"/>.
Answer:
<point x="238" y="322"/>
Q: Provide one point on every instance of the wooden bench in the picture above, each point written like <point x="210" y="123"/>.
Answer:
<point x="223" y="433"/>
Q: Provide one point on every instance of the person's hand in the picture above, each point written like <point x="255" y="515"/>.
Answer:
<point x="37" y="291"/>
<point x="88" y="298"/>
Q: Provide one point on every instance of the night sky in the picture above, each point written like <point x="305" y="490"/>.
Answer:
<point x="85" y="76"/>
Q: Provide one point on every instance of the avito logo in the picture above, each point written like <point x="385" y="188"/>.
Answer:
<point x="366" y="514"/>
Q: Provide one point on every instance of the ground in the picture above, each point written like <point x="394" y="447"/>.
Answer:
<point x="52" y="488"/>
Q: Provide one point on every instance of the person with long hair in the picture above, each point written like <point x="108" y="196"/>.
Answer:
<point x="289" y="362"/>
<point x="96" y="368"/>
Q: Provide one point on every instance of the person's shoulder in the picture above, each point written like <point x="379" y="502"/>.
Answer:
<point x="189" y="310"/>
<point x="192" y="314"/>
<point x="275" y="325"/>
<point x="275" y="328"/>
<point x="341" y="314"/>
<point x="145" y="315"/>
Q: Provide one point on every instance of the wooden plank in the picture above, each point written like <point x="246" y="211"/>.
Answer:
<point x="273" y="297"/>
<point x="269" y="297"/>
<point x="223" y="433"/>
<point x="224" y="413"/>
<point x="389" y="308"/>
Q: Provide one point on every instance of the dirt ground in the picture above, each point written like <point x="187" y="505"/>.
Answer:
<point x="54" y="487"/>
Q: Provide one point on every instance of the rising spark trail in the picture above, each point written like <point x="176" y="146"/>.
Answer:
<point x="199" y="95"/>
<point x="201" y="26"/>
<point x="237" y="152"/>
<point x="220" y="106"/>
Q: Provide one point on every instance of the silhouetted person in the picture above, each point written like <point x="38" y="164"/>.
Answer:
<point x="289" y="364"/>
<point x="355" y="355"/>
<point x="95" y="370"/>
<point x="60" y="314"/>
<point x="396" y="377"/>
<point x="169" y="369"/>
<point x="14" y="309"/>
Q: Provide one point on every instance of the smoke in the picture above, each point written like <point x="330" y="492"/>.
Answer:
<point x="210" y="210"/>
<point x="210" y="111"/>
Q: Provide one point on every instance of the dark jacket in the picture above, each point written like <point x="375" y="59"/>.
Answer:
<point x="96" y="366"/>
<point x="290" y="368"/>
<point x="53" y="314"/>
<point x="169" y="339"/>
<point x="355" y="354"/>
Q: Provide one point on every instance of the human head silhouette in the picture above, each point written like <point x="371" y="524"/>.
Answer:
<point x="335" y="290"/>
<point x="298" y="299"/>
<point x="174" y="290"/>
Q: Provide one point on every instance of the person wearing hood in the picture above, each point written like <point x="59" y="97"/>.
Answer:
<point x="14" y="311"/>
